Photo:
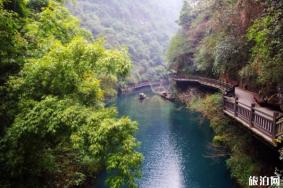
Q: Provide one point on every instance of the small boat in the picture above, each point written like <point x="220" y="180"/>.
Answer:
<point x="164" y="94"/>
<point x="142" y="96"/>
<point x="167" y="96"/>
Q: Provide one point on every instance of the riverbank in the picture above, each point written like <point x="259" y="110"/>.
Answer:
<point x="246" y="155"/>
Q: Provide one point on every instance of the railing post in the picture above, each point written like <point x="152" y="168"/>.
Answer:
<point x="252" y="114"/>
<point x="236" y="107"/>
<point x="274" y="131"/>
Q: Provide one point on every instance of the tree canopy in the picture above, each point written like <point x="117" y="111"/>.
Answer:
<point x="55" y="128"/>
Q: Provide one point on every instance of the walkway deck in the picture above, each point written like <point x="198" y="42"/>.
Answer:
<point x="242" y="107"/>
<point x="221" y="85"/>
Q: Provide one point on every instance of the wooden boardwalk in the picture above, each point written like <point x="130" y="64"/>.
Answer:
<point x="241" y="106"/>
<point x="221" y="85"/>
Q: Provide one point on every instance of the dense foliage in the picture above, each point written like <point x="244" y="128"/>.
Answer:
<point x="239" y="40"/>
<point x="55" y="129"/>
<point x="144" y="26"/>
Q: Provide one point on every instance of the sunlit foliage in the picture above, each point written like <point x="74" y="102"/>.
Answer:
<point x="267" y="53"/>
<point x="55" y="128"/>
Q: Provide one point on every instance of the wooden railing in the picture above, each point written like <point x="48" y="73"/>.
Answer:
<point x="265" y="123"/>
<point x="279" y="130"/>
<point x="217" y="83"/>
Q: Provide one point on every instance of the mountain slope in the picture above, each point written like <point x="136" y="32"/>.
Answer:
<point x="144" y="26"/>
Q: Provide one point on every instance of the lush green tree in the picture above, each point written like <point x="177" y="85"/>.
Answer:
<point x="267" y="54"/>
<point x="57" y="131"/>
<point x="18" y="6"/>
<point x="178" y="49"/>
<point x="205" y="55"/>
<point x="37" y="5"/>
<point x="12" y="50"/>
<point x="229" y="57"/>
<point x="54" y="23"/>
<point x="60" y="142"/>
<point x="12" y="42"/>
<point x="61" y="108"/>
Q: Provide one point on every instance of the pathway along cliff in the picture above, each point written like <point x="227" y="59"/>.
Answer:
<point x="175" y="144"/>
<point x="240" y="105"/>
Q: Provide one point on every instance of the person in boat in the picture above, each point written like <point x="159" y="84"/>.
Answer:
<point x="142" y="96"/>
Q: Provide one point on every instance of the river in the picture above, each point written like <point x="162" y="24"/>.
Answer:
<point x="175" y="144"/>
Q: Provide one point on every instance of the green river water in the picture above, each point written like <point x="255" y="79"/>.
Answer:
<point x="175" y="144"/>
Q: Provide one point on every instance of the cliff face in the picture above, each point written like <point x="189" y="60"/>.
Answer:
<point x="237" y="41"/>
